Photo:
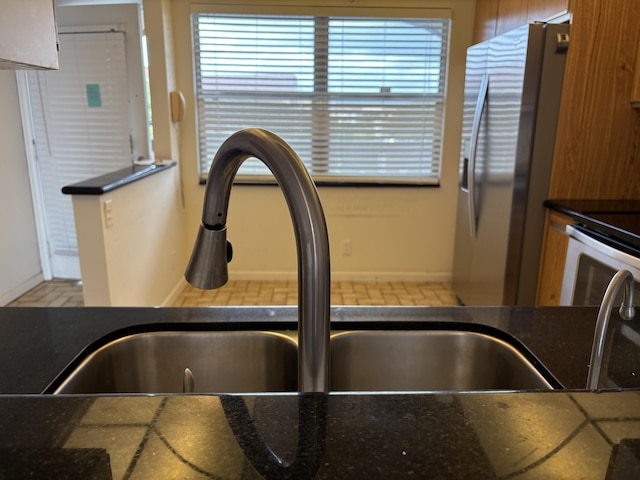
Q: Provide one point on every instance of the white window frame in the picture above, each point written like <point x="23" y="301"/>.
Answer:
<point x="433" y="179"/>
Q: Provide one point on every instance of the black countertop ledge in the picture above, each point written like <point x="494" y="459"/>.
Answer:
<point x="119" y="178"/>
<point x="568" y="433"/>
<point x="619" y="219"/>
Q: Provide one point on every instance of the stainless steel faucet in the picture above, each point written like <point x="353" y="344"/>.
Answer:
<point x="627" y="312"/>
<point x="207" y="267"/>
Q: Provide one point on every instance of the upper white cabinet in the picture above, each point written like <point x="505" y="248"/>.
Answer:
<point x="28" y="37"/>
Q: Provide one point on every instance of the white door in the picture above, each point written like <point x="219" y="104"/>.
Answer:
<point x="81" y="130"/>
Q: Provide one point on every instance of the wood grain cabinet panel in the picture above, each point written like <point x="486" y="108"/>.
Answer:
<point x="554" y="251"/>
<point x="538" y="10"/>
<point x="597" y="149"/>
<point x="511" y="14"/>
<point x="494" y="17"/>
<point x="485" y="20"/>
<point x="635" y="94"/>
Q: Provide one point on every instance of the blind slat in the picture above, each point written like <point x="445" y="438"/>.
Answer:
<point x="359" y="99"/>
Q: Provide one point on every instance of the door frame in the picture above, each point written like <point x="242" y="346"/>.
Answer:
<point x="137" y="87"/>
<point x="34" y="174"/>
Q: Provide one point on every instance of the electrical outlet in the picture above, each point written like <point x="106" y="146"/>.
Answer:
<point x="108" y="213"/>
<point x="346" y="248"/>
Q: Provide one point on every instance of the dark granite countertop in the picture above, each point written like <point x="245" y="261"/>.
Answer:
<point x="562" y="434"/>
<point x="111" y="181"/>
<point x="39" y="342"/>
<point x="569" y="435"/>
<point x="594" y="206"/>
<point x="619" y="219"/>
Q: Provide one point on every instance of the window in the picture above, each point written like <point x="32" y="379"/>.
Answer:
<point x="360" y="99"/>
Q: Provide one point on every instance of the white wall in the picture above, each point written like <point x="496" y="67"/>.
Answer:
<point x="20" y="267"/>
<point x="138" y="259"/>
<point x="19" y="258"/>
<point x="396" y="233"/>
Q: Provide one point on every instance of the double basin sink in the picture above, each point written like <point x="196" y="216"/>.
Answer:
<point x="453" y="358"/>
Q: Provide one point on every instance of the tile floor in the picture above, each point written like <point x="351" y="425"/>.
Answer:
<point x="68" y="293"/>
<point x="56" y="293"/>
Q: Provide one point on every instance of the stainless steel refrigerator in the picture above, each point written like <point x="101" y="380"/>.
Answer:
<point x="512" y="94"/>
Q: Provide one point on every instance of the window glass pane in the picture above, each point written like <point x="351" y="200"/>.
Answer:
<point x="381" y="55"/>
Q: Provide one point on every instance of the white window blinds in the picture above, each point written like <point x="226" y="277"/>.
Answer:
<point x="360" y="99"/>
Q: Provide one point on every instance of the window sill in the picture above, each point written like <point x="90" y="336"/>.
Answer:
<point x="351" y="184"/>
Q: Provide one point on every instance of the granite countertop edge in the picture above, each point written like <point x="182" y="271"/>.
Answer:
<point x="113" y="180"/>
<point x="616" y="219"/>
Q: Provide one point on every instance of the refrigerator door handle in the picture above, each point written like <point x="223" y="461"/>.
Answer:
<point x="471" y="170"/>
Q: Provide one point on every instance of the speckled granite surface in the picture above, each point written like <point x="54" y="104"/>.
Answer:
<point x="562" y="434"/>
<point x="522" y="435"/>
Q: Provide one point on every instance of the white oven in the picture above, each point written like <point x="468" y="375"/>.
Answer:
<point x="592" y="260"/>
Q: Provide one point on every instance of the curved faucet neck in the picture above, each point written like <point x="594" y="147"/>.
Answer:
<point x="627" y="312"/>
<point x="310" y="229"/>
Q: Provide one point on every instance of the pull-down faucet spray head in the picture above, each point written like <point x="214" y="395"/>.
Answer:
<point x="212" y="251"/>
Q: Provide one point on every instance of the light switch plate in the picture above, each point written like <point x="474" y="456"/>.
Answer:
<point x="108" y="213"/>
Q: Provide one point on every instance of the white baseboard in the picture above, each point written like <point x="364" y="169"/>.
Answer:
<point x="347" y="276"/>
<point x="24" y="287"/>
<point x="174" y="294"/>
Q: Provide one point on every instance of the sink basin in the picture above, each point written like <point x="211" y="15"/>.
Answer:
<point x="154" y="362"/>
<point x="455" y="359"/>
<point x="443" y="360"/>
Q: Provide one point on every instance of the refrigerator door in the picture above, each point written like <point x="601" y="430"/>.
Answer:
<point x="542" y="92"/>
<point x="474" y="136"/>
<point x="480" y="256"/>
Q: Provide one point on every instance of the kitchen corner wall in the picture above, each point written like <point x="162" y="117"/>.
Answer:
<point x="137" y="256"/>
<point x="394" y="233"/>
<point x="19" y="257"/>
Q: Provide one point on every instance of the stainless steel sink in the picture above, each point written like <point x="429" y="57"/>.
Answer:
<point x="256" y="361"/>
<point x="442" y="360"/>
<point x="154" y="362"/>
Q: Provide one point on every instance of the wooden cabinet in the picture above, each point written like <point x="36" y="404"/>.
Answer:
<point x="28" y="34"/>
<point x="485" y="20"/>
<point x="494" y="17"/>
<point x="511" y="14"/>
<point x="635" y="94"/>
<point x="538" y="10"/>
<point x="554" y="251"/>
<point x="597" y="149"/>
